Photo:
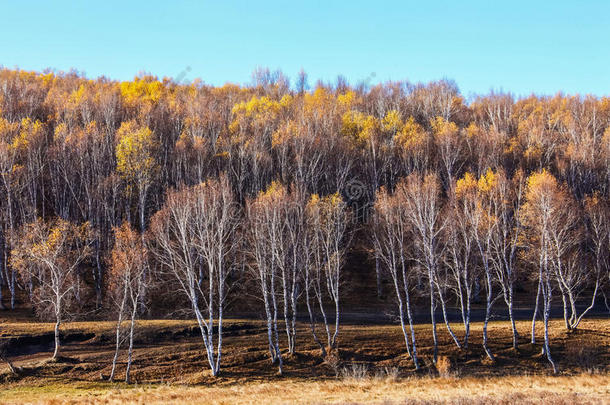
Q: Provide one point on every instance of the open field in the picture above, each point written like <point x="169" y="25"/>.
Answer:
<point x="585" y="388"/>
<point x="170" y="366"/>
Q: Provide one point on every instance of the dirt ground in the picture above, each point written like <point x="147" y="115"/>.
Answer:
<point x="170" y="365"/>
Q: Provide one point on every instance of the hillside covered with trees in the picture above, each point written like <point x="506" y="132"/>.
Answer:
<point x="124" y="200"/>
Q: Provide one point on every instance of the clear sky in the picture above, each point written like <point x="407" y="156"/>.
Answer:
<point x="517" y="46"/>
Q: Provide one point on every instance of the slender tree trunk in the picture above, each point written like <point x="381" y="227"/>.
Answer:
<point x="118" y="337"/>
<point x="405" y="286"/>
<point x="12" y="287"/>
<point x="444" y="309"/>
<point x="337" y="315"/>
<point x="433" y="319"/>
<point x="460" y="296"/>
<point x="98" y="276"/>
<point x="276" y="338"/>
<point x="216" y="371"/>
<point x="467" y="321"/>
<point x="533" y="339"/>
<point x="323" y="312"/>
<point x="512" y="317"/>
<point x="57" y="343"/>
<point x="293" y="321"/>
<point x="285" y="308"/>
<point x="590" y="306"/>
<point x="204" y="336"/>
<point x="488" y="304"/>
<point x="130" y="350"/>
<point x="272" y="351"/>
<point x="565" y="310"/>
<point x="378" y="276"/>
<point x="412" y="328"/>
<point x="312" y="318"/>
<point x="547" y="311"/>
<point x="401" y="313"/>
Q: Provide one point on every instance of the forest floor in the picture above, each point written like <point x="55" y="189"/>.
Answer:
<point x="372" y="366"/>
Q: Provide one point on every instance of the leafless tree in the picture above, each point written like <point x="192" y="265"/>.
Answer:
<point x="460" y="258"/>
<point x="391" y="239"/>
<point x="266" y="235"/>
<point x="598" y="225"/>
<point x="198" y="225"/>
<point x="422" y="205"/>
<point x="506" y="241"/>
<point x="328" y="221"/>
<point x="549" y="215"/>
<point x="127" y="283"/>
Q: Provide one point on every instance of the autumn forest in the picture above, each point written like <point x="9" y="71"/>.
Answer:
<point x="291" y="202"/>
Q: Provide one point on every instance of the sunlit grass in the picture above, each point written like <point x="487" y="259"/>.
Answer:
<point x="545" y="389"/>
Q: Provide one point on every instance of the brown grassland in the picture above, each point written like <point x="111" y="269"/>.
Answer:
<point x="372" y="367"/>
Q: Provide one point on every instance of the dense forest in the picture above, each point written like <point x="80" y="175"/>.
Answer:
<point x="122" y="198"/>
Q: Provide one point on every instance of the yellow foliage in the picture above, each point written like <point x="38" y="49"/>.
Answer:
<point x="442" y="127"/>
<point x="358" y="126"/>
<point x="540" y="185"/>
<point x="488" y="181"/>
<point x="77" y="95"/>
<point x="326" y="204"/>
<point x="286" y="101"/>
<point x="47" y="79"/>
<point x="141" y="90"/>
<point x="135" y="153"/>
<point x="30" y="132"/>
<point x="61" y="132"/>
<point x="7" y="130"/>
<point x="392" y="122"/>
<point x="274" y="191"/>
<point x="347" y="100"/>
<point x="257" y="106"/>
<point x="473" y="131"/>
<point x="318" y="103"/>
<point x="335" y="199"/>
<point x="412" y="134"/>
<point x="258" y="111"/>
<point x="465" y="185"/>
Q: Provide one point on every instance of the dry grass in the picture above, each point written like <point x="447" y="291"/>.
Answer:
<point x="585" y="388"/>
<point x="444" y="366"/>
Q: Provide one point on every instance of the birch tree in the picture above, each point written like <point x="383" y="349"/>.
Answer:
<point x="597" y="212"/>
<point x="391" y="240"/>
<point x="460" y="257"/>
<point x="422" y="205"/>
<point x="507" y="238"/>
<point x="126" y="286"/>
<point x="50" y="254"/>
<point x="266" y="235"/>
<point x="482" y="223"/>
<point x="544" y="214"/>
<point x="194" y="238"/>
<point x="328" y="219"/>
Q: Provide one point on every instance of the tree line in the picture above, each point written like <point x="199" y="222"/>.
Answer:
<point x="116" y="191"/>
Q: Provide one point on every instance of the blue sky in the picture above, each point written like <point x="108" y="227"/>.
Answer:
<point x="516" y="46"/>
